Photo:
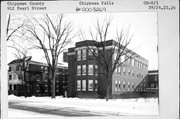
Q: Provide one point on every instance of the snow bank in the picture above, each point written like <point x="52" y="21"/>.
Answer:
<point x="140" y="106"/>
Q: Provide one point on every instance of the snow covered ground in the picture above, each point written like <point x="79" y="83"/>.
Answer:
<point x="26" y="107"/>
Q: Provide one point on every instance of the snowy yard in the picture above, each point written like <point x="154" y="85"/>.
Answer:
<point x="42" y="106"/>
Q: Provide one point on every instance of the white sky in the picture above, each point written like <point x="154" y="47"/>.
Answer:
<point x="143" y="27"/>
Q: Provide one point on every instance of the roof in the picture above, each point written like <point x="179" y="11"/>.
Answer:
<point x="110" y="42"/>
<point x="60" y="64"/>
<point x="16" y="61"/>
<point x="153" y="72"/>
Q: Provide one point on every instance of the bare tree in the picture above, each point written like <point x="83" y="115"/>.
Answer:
<point x="14" y="25"/>
<point x="22" y="54"/>
<point x="110" y="60"/>
<point x="14" y="36"/>
<point x="51" y="35"/>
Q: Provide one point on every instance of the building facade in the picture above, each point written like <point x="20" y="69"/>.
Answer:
<point x="36" y="80"/>
<point x="86" y="75"/>
<point x="151" y="85"/>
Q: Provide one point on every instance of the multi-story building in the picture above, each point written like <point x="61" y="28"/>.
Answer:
<point x="86" y="77"/>
<point x="37" y="79"/>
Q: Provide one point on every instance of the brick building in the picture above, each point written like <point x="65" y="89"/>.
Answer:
<point x="36" y="79"/>
<point x="86" y="75"/>
<point x="151" y="85"/>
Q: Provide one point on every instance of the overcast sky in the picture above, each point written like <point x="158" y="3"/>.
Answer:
<point x="142" y="25"/>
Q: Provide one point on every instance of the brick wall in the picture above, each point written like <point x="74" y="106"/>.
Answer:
<point x="71" y="75"/>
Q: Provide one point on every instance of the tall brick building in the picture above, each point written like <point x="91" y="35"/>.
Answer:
<point x="37" y="80"/>
<point x="86" y="75"/>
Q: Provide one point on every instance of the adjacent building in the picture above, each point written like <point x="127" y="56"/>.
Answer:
<point x="36" y="80"/>
<point x="86" y="77"/>
<point x="152" y="84"/>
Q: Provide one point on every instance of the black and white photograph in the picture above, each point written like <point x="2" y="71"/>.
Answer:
<point x="82" y="64"/>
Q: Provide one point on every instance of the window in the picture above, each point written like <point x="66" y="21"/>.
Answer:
<point x="79" y="55"/>
<point x="96" y="70"/>
<point x="132" y="87"/>
<point x="132" y="62"/>
<point x="156" y="85"/>
<point x="124" y="86"/>
<point x="129" y="73"/>
<point x="128" y="86"/>
<point x="18" y="68"/>
<point x="90" y="69"/>
<point x="84" y="54"/>
<point x="10" y="68"/>
<point x="90" y="51"/>
<point x="124" y="71"/>
<point x="20" y="77"/>
<point x="114" y="56"/>
<point x="10" y="77"/>
<point x="119" y="69"/>
<point x="83" y="85"/>
<point x="90" y="85"/>
<point x="129" y="60"/>
<point x="116" y="85"/>
<point x="10" y="87"/>
<point x="152" y="85"/>
<point x="78" y="70"/>
<point x="46" y="72"/>
<point x="138" y="64"/>
<point x="119" y="88"/>
<point x="96" y="85"/>
<point x="15" y="76"/>
<point x="15" y="87"/>
<point x="155" y="78"/>
<point x="78" y="85"/>
<point x="84" y="70"/>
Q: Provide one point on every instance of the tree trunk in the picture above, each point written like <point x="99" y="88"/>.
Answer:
<point x="53" y="84"/>
<point x="49" y="81"/>
<point x="107" y="93"/>
<point x="25" y="83"/>
<point x="109" y="82"/>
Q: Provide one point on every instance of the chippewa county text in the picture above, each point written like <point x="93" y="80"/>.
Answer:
<point x="26" y="5"/>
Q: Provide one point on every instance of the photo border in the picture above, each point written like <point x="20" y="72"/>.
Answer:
<point x="168" y="51"/>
